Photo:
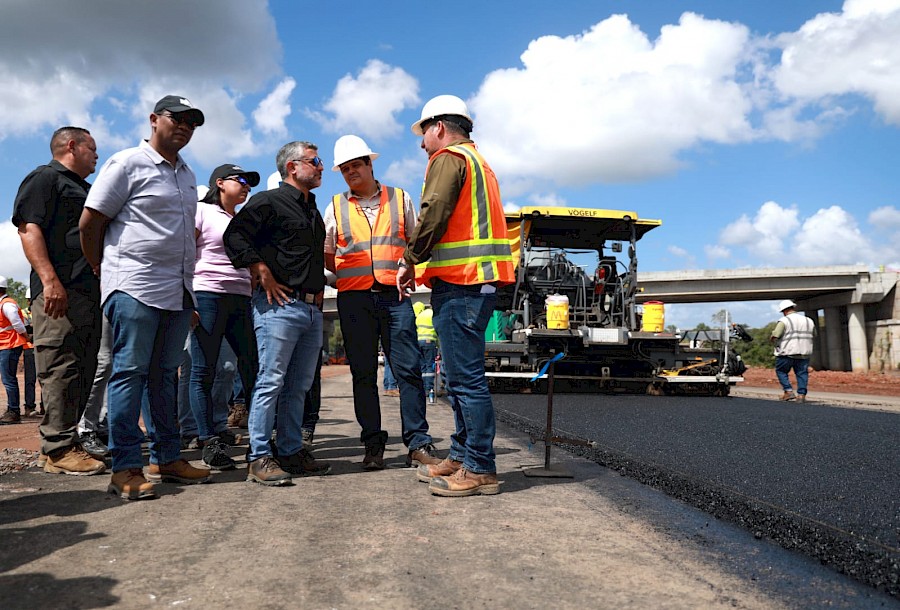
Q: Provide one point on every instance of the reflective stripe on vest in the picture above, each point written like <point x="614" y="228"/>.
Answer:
<point x="425" y="325"/>
<point x="797" y="339"/>
<point x="9" y="336"/>
<point x="364" y="253"/>
<point x="475" y="249"/>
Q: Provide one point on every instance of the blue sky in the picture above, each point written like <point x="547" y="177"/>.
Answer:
<point x="763" y="134"/>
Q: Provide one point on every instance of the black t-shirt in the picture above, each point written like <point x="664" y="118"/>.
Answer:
<point x="283" y="229"/>
<point x="52" y="197"/>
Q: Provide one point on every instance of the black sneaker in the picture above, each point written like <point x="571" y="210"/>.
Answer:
<point x="215" y="455"/>
<point x="374" y="459"/>
<point x="303" y="464"/>
<point x="228" y="437"/>
<point x="91" y="443"/>
<point x="189" y="442"/>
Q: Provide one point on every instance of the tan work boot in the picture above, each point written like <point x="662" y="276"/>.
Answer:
<point x="42" y="459"/>
<point x="788" y="396"/>
<point x="179" y="471"/>
<point x="11" y="417"/>
<point x="465" y="483"/>
<point x="73" y="460"/>
<point x="266" y="471"/>
<point x="131" y="485"/>
<point x="238" y="416"/>
<point x="444" y="468"/>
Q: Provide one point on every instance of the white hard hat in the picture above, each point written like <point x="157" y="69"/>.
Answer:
<point x="786" y="304"/>
<point x="348" y="148"/>
<point x="439" y="106"/>
<point x="3" y="283"/>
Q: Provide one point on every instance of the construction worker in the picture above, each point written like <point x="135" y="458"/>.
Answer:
<point x="365" y="233"/>
<point x="427" y="343"/>
<point x="13" y="338"/>
<point x="461" y="238"/>
<point x="793" y="340"/>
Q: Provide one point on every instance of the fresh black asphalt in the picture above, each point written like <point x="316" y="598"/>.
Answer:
<point x="820" y="479"/>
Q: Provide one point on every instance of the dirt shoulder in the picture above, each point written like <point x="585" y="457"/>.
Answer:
<point x="831" y="381"/>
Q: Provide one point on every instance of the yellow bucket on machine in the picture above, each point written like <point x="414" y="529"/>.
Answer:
<point x="557" y="311"/>
<point x="654" y="320"/>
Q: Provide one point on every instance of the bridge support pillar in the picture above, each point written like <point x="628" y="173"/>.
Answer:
<point x="819" y="358"/>
<point x="833" y="344"/>
<point x="856" y="329"/>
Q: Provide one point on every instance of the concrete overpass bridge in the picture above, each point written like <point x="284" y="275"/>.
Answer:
<point x="860" y="309"/>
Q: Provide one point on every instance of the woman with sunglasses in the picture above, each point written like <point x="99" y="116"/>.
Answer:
<point x="223" y="311"/>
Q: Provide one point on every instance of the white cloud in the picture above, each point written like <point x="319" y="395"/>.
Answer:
<point x="368" y="104"/>
<point x="689" y="261"/>
<point x="546" y="199"/>
<point x="46" y="84"/>
<point x="271" y="113"/>
<point x="716" y="254"/>
<point x="406" y="173"/>
<point x="885" y="218"/>
<point x="778" y="236"/>
<point x="764" y="236"/>
<point x="854" y="51"/>
<point x="610" y="104"/>
<point x="15" y="265"/>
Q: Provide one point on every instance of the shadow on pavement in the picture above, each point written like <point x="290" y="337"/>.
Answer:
<point x="43" y="591"/>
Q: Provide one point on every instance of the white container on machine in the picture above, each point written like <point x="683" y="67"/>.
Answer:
<point x="557" y="311"/>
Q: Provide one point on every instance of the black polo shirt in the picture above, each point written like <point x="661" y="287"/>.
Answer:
<point x="52" y="197"/>
<point x="283" y="229"/>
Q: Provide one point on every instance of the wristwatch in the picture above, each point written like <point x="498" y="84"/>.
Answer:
<point x="402" y="263"/>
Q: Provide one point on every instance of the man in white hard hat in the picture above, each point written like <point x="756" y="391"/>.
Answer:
<point x="461" y="238"/>
<point x="366" y="230"/>
<point x="793" y="340"/>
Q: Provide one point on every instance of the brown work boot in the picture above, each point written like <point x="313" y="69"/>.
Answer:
<point x="131" y="485"/>
<point x="395" y="393"/>
<point x="444" y="468"/>
<point x="801" y="397"/>
<point x="303" y="464"/>
<point x="788" y="396"/>
<point x="238" y="416"/>
<point x="11" y="417"/>
<point x="374" y="459"/>
<point x="465" y="483"/>
<point x="422" y="455"/>
<point x="73" y="460"/>
<point x="266" y="471"/>
<point x="179" y="471"/>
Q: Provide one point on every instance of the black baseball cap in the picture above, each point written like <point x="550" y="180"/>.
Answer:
<point x="226" y="171"/>
<point x="176" y="103"/>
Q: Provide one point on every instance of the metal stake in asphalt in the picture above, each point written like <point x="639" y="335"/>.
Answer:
<point x="547" y="470"/>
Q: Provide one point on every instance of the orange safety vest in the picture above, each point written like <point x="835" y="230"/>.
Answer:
<point x="364" y="253"/>
<point x="475" y="249"/>
<point x="9" y="338"/>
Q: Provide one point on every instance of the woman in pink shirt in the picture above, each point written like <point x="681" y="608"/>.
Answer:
<point x="223" y="307"/>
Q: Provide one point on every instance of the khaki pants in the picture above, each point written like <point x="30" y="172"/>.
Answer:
<point x="65" y="351"/>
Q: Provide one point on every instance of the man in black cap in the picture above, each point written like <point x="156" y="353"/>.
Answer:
<point x="138" y="221"/>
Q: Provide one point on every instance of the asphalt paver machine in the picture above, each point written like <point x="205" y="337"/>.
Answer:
<point x="576" y="293"/>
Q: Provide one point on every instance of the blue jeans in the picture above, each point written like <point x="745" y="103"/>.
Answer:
<point x="800" y="366"/>
<point x="366" y="317"/>
<point x="289" y="339"/>
<point x="222" y="316"/>
<point x="9" y="370"/>
<point x="389" y="382"/>
<point x="147" y="349"/>
<point x="461" y="315"/>
<point x="187" y="425"/>
<point x="429" y="351"/>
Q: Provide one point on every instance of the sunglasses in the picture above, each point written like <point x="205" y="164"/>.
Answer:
<point x="315" y="161"/>
<point x="182" y="118"/>
<point x="239" y="179"/>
